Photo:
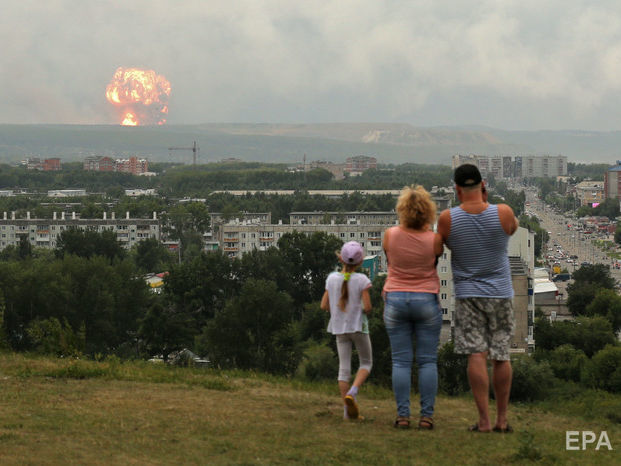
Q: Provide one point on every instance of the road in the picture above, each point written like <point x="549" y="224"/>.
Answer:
<point x="566" y="240"/>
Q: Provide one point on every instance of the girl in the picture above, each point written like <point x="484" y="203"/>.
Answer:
<point x="346" y="296"/>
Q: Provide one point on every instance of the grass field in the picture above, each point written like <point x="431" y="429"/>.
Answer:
<point x="84" y="412"/>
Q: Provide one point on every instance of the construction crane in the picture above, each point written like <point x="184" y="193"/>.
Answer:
<point x="194" y="150"/>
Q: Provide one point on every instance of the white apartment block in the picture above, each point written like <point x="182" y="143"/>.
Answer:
<point x="344" y="218"/>
<point x="238" y="238"/>
<point x="501" y="166"/>
<point x="44" y="232"/>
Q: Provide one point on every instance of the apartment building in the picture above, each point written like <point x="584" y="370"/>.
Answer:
<point x="506" y="167"/>
<point x="360" y="163"/>
<point x="590" y="192"/>
<point x="347" y="218"/>
<point x="612" y="182"/>
<point x="44" y="233"/>
<point x="99" y="164"/>
<point x="132" y="165"/>
<point x="35" y="163"/>
<point x="533" y="166"/>
<point x="238" y="238"/>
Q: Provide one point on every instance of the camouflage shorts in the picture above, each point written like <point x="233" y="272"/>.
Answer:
<point x="484" y="324"/>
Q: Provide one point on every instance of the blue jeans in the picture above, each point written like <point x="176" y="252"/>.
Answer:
<point x="407" y="314"/>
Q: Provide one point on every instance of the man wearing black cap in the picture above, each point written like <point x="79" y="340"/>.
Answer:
<point x="477" y="233"/>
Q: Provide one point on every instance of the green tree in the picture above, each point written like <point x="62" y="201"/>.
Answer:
<point x="50" y="336"/>
<point x="607" y="303"/>
<point x="24" y="248"/>
<point x="255" y="331"/>
<point x="566" y="362"/>
<point x="152" y="256"/>
<point x="589" y="334"/>
<point x="309" y="259"/>
<point x="204" y="285"/>
<point x="618" y="233"/>
<point x="88" y="243"/>
<point x="605" y="369"/>
<point x="165" y="329"/>
<point x="588" y="281"/>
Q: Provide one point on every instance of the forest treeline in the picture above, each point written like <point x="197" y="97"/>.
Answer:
<point x="202" y="180"/>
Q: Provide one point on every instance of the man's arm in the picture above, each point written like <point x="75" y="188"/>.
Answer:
<point x="507" y="219"/>
<point x="444" y="225"/>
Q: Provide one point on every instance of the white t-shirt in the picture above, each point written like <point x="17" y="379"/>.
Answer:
<point x="353" y="319"/>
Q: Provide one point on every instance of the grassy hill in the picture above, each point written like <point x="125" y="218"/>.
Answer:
<point x="84" y="412"/>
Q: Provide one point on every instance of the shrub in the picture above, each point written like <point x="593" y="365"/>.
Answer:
<point x="605" y="370"/>
<point x="319" y="363"/>
<point x="567" y="362"/>
<point x="452" y="370"/>
<point x="50" y="336"/>
<point x="531" y="380"/>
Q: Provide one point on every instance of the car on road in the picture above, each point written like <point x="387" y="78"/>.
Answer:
<point x="561" y="277"/>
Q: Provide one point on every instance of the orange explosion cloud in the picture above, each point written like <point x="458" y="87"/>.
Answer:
<point x="141" y="96"/>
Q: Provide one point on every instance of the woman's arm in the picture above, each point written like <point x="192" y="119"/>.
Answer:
<point x="438" y="244"/>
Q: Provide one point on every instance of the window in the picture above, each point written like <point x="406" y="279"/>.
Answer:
<point x="342" y="235"/>
<point x="444" y="311"/>
<point x="352" y="235"/>
<point x="443" y="269"/>
<point x="443" y="282"/>
<point x="443" y="296"/>
<point x="444" y="256"/>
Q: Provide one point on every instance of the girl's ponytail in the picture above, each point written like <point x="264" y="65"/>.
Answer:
<point x="347" y="271"/>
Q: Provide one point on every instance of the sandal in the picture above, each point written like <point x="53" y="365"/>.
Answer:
<point x="425" y="423"/>
<point x="352" y="407"/>
<point x="506" y="430"/>
<point x="475" y="428"/>
<point x="402" y="422"/>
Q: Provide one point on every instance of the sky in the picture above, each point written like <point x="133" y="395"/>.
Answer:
<point x="517" y="65"/>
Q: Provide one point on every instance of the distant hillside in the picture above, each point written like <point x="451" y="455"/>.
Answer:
<point x="390" y="143"/>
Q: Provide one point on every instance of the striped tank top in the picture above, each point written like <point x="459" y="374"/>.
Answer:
<point x="479" y="256"/>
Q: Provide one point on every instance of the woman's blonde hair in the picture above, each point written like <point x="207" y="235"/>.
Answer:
<point x="415" y="207"/>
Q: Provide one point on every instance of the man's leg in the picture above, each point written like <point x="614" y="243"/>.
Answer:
<point x="479" y="383"/>
<point x="501" y="379"/>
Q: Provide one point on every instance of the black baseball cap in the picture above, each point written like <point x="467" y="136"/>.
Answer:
<point x="467" y="175"/>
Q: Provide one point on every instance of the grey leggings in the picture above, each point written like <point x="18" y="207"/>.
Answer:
<point x="344" y="348"/>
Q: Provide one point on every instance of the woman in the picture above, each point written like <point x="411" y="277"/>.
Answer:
<point x="411" y="302"/>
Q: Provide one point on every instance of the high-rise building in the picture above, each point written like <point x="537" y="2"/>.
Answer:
<point x="530" y="166"/>
<point x="612" y="182"/>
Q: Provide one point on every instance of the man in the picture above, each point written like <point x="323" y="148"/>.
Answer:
<point x="477" y="234"/>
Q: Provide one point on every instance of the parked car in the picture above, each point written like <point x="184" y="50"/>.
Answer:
<point x="562" y="277"/>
